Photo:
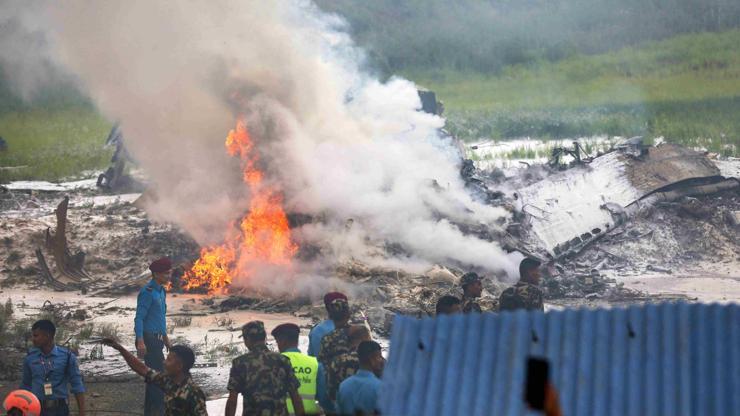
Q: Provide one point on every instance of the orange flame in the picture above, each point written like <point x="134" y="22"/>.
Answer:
<point x="264" y="234"/>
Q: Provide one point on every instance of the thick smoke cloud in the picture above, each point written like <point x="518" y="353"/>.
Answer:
<point x="26" y="61"/>
<point x="350" y="151"/>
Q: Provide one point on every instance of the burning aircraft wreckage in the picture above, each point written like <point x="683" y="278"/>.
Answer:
<point x="631" y="211"/>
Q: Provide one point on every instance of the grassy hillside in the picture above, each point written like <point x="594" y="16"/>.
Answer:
<point x="686" y="88"/>
<point x="488" y="35"/>
<point x="52" y="144"/>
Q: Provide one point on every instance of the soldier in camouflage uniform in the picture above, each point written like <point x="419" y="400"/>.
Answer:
<point x="448" y="305"/>
<point x="264" y="378"/>
<point x="336" y="346"/>
<point x="472" y="290"/>
<point x="346" y="365"/>
<point x="526" y="294"/>
<point x="182" y="397"/>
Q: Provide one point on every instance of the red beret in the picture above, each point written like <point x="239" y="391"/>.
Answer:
<point x="332" y="296"/>
<point x="161" y="265"/>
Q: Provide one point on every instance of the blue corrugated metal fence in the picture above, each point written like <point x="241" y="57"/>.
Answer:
<point x="656" y="359"/>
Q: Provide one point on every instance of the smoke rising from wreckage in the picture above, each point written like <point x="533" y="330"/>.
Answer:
<point x="273" y="167"/>
<point x="374" y="186"/>
<point x="651" y="222"/>
<point x="337" y="143"/>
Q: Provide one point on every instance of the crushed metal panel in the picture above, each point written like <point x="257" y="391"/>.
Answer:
<point x="665" y="165"/>
<point x="568" y="204"/>
<point x="573" y="206"/>
<point x="729" y="168"/>
<point x="665" y="359"/>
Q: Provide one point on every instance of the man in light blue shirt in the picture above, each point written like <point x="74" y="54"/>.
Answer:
<point x="150" y="327"/>
<point x="50" y="372"/>
<point x="324" y="327"/>
<point x="359" y="393"/>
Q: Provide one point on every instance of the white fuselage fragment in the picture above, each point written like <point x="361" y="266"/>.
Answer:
<point x="568" y="204"/>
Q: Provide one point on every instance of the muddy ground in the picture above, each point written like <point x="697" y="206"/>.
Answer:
<point x="688" y="250"/>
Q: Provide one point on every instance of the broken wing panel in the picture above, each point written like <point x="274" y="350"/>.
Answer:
<point x="569" y="208"/>
<point x="568" y="205"/>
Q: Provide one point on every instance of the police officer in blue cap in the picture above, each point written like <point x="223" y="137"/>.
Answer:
<point x="150" y="328"/>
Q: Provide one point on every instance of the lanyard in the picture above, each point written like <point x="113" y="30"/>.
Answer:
<point x="48" y="366"/>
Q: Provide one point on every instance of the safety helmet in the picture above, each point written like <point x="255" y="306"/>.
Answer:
<point x="23" y="400"/>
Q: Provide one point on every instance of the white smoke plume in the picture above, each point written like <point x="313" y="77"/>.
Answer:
<point x="26" y="62"/>
<point x="354" y="153"/>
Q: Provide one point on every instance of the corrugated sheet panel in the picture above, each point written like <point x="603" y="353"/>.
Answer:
<point x="666" y="359"/>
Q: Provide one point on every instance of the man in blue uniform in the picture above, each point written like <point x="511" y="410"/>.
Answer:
<point x="359" y="393"/>
<point x="49" y="371"/>
<point x="324" y="327"/>
<point x="150" y="328"/>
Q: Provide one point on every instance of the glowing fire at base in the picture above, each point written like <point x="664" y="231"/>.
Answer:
<point x="264" y="234"/>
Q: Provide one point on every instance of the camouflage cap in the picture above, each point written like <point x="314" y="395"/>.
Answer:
<point x="468" y="278"/>
<point x="255" y="329"/>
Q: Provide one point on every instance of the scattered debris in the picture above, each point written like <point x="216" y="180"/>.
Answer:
<point x="733" y="218"/>
<point x="628" y="212"/>
<point x="69" y="266"/>
<point x="652" y="268"/>
<point x="115" y="177"/>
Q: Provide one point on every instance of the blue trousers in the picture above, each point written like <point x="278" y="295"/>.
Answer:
<point x="61" y="409"/>
<point x="154" y="359"/>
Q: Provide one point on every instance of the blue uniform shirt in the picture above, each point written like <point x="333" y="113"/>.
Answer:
<point x="316" y="334"/>
<point x="59" y="368"/>
<point x="151" y="307"/>
<point x="359" y="393"/>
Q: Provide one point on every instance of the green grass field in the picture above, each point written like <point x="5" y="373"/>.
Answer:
<point x="53" y="144"/>
<point x="686" y="88"/>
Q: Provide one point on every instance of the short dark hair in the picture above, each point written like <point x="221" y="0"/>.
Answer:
<point x="46" y="326"/>
<point x="445" y="303"/>
<point x="289" y="333"/>
<point x="366" y="349"/>
<point x="255" y="337"/>
<point x="186" y="356"/>
<point x="528" y="264"/>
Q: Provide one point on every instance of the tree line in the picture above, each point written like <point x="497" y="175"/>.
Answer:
<point x="487" y="35"/>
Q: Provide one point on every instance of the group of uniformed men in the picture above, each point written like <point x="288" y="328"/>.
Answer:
<point x="525" y="294"/>
<point x="339" y="375"/>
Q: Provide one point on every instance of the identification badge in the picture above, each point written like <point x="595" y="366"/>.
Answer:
<point x="47" y="389"/>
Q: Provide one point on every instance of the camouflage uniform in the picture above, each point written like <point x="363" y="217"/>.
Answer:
<point x="342" y="367"/>
<point x="185" y="399"/>
<point x="522" y="295"/>
<point x="469" y="304"/>
<point x="335" y="351"/>
<point x="264" y="378"/>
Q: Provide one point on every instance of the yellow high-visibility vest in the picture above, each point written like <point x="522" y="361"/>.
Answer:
<point x="306" y="369"/>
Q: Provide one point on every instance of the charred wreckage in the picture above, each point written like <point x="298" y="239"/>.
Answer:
<point x="566" y="215"/>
